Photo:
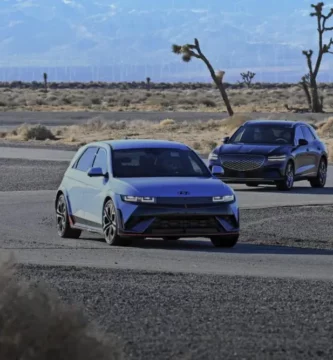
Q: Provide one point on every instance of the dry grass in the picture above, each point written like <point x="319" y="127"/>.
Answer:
<point x="34" y="324"/>
<point x="242" y="100"/>
<point x="200" y="135"/>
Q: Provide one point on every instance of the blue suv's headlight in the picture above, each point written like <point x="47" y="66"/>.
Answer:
<point x="213" y="156"/>
<point x="277" y="158"/>
<point x="138" y="199"/>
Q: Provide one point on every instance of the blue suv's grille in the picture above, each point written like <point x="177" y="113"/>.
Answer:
<point x="242" y="162"/>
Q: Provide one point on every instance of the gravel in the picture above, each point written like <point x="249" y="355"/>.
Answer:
<point x="19" y="175"/>
<point x="184" y="316"/>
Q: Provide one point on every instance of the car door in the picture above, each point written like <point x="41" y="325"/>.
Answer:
<point x="96" y="189"/>
<point x="312" y="160"/>
<point x="300" y="153"/>
<point x="77" y="185"/>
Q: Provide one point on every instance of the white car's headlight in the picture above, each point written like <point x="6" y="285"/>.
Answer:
<point x="277" y="158"/>
<point x="226" y="198"/>
<point x="213" y="156"/>
<point x="138" y="199"/>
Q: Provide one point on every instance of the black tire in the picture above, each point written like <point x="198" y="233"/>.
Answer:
<point x="63" y="226"/>
<point x="288" y="182"/>
<point x="320" y="180"/>
<point x="225" y="241"/>
<point x="252" y="184"/>
<point x="171" y="238"/>
<point x="110" y="226"/>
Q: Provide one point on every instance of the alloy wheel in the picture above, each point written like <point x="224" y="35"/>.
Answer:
<point x="289" y="176"/>
<point x="109" y="222"/>
<point x="322" y="172"/>
<point x="61" y="212"/>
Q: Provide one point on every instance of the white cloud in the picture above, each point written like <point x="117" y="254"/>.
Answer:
<point x="14" y="23"/>
<point x="82" y="31"/>
<point x="72" y="3"/>
<point x="23" y="4"/>
<point x="199" y="11"/>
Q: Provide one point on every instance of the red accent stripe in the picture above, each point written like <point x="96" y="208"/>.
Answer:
<point x="180" y="235"/>
<point x="71" y="222"/>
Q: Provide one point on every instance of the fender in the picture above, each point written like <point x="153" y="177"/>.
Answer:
<point x="62" y="190"/>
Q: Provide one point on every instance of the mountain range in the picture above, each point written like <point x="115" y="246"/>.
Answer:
<point x="128" y="40"/>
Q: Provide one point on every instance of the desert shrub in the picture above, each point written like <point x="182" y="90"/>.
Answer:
<point x="66" y="100"/>
<point x="211" y="144"/>
<point x="167" y="122"/>
<point x="208" y="102"/>
<point x="40" y="101"/>
<point x="96" y="124"/>
<point x="36" y="325"/>
<point x="186" y="101"/>
<point x="86" y="102"/>
<point x="325" y="128"/>
<point x="233" y="122"/>
<point x="165" y="103"/>
<point x="33" y="132"/>
<point x="124" y="102"/>
<point x="117" y="125"/>
<point x="196" y="145"/>
<point x="96" y="101"/>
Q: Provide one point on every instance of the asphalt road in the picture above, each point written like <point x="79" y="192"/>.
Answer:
<point x="72" y="118"/>
<point x="11" y="118"/>
<point x="184" y="300"/>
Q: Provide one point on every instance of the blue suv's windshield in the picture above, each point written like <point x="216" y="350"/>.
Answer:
<point x="157" y="162"/>
<point x="278" y="134"/>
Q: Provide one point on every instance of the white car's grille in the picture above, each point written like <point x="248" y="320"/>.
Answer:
<point x="242" y="162"/>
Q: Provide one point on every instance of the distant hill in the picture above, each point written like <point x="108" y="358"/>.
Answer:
<point x="130" y="39"/>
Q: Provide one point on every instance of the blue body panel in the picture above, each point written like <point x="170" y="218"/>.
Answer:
<point x="86" y="195"/>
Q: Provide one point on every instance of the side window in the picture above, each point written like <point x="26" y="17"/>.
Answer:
<point x="298" y="134"/>
<point x="195" y="166"/>
<point x="238" y="135"/>
<point x="86" y="160"/>
<point x="313" y="131"/>
<point x="307" y="134"/>
<point x="101" y="160"/>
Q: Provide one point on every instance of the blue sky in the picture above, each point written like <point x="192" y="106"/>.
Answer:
<point x="265" y="36"/>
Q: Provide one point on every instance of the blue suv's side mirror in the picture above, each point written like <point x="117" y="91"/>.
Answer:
<point x="217" y="170"/>
<point x="226" y="139"/>
<point x="96" y="172"/>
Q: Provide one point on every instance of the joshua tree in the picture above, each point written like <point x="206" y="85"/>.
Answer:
<point x="310" y="84"/>
<point x="190" y="51"/>
<point x="305" y="84"/>
<point x="45" y="81"/>
<point x="148" y="83"/>
<point x="248" y="77"/>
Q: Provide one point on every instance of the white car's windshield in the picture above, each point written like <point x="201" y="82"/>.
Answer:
<point x="158" y="162"/>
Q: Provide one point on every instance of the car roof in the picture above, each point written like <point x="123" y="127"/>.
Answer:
<point x="141" y="144"/>
<point x="290" y="123"/>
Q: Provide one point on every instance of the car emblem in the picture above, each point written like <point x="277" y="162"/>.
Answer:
<point x="183" y="193"/>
